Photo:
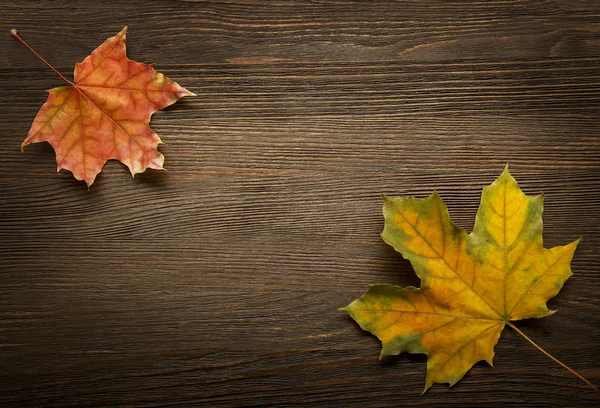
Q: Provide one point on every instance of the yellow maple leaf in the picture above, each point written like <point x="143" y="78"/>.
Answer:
<point x="472" y="285"/>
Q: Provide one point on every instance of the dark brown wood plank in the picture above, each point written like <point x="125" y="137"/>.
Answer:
<point x="217" y="282"/>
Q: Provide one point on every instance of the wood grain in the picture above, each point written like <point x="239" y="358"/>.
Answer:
<point x="217" y="282"/>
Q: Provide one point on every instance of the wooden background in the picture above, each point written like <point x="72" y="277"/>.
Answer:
<point x="218" y="281"/>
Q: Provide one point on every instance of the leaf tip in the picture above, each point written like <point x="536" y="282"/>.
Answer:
<point x="428" y="385"/>
<point x="386" y="198"/>
<point x="506" y="171"/>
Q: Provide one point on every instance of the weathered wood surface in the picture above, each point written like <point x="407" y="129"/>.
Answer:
<point x="217" y="282"/>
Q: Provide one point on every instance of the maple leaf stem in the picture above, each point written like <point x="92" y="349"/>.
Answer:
<point x="14" y="32"/>
<point x="512" y="326"/>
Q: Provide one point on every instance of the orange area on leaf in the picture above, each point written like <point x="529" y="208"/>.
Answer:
<point x="105" y="113"/>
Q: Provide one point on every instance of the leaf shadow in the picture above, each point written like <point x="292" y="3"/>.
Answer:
<point x="115" y="170"/>
<point x="536" y="327"/>
<point x="396" y="269"/>
<point x="40" y="152"/>
<point x="155" y="178"/>
<point x="183" y="104"/>
<point x="388" y="361"/>
<point x="43" y="153"/>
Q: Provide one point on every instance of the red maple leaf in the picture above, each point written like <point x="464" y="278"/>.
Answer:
<point x="105" y="113"/>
